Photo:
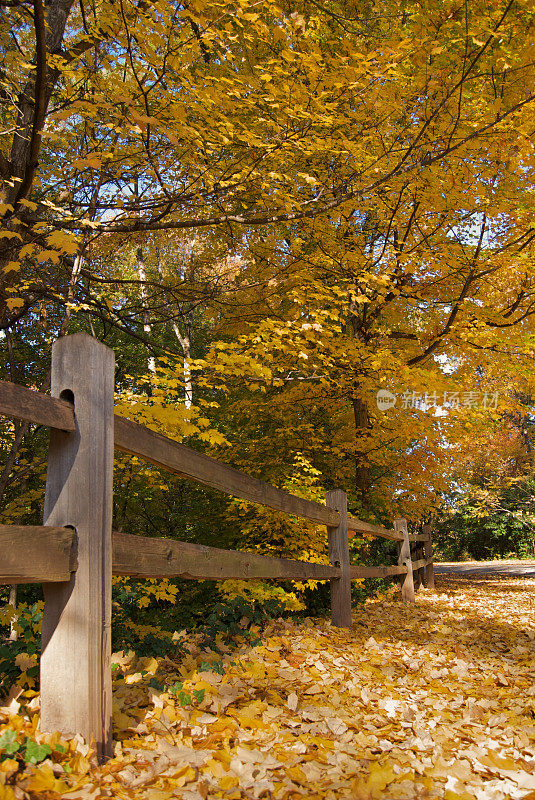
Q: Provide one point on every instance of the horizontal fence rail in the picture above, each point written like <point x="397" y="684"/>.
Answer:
<point x="22" y="403"/>
<point x="143" y="557"/>
<point x="422" y="562"/>
<point x="377" y="572"/>
<point x="356" y="525"/>
<point x="54" y="558"/>
<point x="130" y="437"/>
<point x="75" y="552"/>
<point x="135" y="439"/>
<point x="37" y="553"/>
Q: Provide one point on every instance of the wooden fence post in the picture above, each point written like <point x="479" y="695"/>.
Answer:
<point x="76" y="640"/>
<point x="420" y="572"/>
<point x="339" y="557"/>
<point x="404" y="559"/>
<point x="428" y="552"/>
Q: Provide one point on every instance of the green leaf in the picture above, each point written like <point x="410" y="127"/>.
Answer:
<point x="184" y="698"/>
<point x="198" y="694"/>
<point x="8" y="742"/>
<point x="212" y="666"/>
<point x="35" y="753"/>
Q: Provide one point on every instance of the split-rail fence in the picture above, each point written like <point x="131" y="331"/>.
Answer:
<point x="75" y="552"/>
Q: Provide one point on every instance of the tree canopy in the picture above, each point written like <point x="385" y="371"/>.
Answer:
<point x="271" y="212"/>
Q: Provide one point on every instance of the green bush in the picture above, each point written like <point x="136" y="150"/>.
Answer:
<point x="18" y="659"/>
<point x="489" y="525"/>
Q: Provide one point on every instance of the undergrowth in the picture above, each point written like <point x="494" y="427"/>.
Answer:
<point x="154" y="618"/>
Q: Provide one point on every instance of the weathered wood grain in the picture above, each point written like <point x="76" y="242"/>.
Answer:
<point x="22" y="403"/>
<point x="36" y="553"/>
<point x="143" y="557"/>
<point x="141" y="441"/>
<point x="404" y="559"/>
<point x="377" y="572"/>
<point x="417" y="537"/>
<point x="420" y="564"/>
<point x="76" y="657"/>
<point x="354" y="525"/>
<point x="339" y="557"/>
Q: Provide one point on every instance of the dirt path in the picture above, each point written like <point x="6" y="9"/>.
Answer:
<point x="513" y="568"/>
<point x="433" y="701"/>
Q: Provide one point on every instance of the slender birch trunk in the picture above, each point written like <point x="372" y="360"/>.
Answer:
<point x="147" y="325"/>
<point x="185" y="343"/>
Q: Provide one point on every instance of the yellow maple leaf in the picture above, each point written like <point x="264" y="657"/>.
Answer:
<point x="44" y="780"/>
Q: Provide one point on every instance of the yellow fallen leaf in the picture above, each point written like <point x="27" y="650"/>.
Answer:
<point x="374" y="785"/>
<point x="183" y="776"/>
<point x="228" y="782"/>
<point x="121" y="720"/>
<point x="495" y="762"/>
<point x="44" y="780"/>
<point x="291" y="702"/>
<point x="297" y="775"/>
<point x="157" y="794"/>
<point x="9" y="766"/>
<point x="214" y="768"/>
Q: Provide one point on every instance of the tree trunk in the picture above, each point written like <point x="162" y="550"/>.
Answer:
<point x="185" y="343"/>
<point x="13" y="635"/>
<point x="147" y="326"/>
<point x="362" y="469"/>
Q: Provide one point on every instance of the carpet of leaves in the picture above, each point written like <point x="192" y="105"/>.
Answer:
<point x="435" y="700"/>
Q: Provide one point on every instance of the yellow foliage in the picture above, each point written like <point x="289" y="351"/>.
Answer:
<point x="258" y="591"/>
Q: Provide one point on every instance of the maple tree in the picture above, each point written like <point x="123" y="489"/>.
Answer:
<point x="159" y="117"/>
<point x="120" y="153"/>
<point x="296" y="206"/>
<point x="271" y="211"/>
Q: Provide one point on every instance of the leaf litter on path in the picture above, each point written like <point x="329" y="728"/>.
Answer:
<point x="434" y="700"/>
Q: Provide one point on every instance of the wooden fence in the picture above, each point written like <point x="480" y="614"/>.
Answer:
<point x="74" y="553"/>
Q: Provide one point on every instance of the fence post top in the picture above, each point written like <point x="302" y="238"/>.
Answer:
<point x="337" y="499"/>
<point x="336" y="492"/>
<point x="83" y="339"/>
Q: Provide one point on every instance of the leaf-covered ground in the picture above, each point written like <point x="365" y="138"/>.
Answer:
<point x="431" y="701"/>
